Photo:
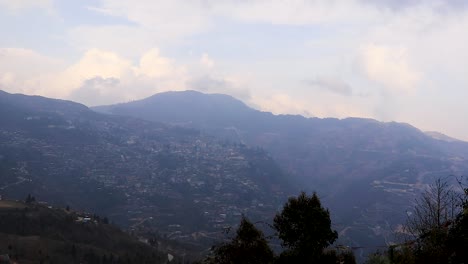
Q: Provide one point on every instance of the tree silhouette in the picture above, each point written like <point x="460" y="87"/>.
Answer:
<point x="304" y="226"/>
<point x="248" y="246"/>
<point x="434" y="213"/>
<point x="30" y="199"/>
<point x="439" y="228"/>
<point x="434" y="209"/>
<point x="458" y="234"/>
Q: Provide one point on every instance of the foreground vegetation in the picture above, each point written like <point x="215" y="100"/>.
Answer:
<point x="436" y="232"/>
<point x="36" y="233"/>
<point x="303" y="226"/>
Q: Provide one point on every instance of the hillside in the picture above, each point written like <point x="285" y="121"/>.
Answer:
<point x="145" y="176"/>
<point x="346" y="161"/>
<point x="33" y="233"/>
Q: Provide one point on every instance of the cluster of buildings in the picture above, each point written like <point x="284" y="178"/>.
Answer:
<point x="185" y="186"/>
<point x="187" y="189"/>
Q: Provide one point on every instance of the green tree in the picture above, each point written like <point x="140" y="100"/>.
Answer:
<point x="248" y="246"/>
<point x="304" y="227"/>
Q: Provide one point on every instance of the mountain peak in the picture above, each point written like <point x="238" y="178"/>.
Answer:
<point x="195" y="97"/>
<point x="183" y="107"/>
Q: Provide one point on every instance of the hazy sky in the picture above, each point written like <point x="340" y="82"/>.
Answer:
<point x="390" y="59"/>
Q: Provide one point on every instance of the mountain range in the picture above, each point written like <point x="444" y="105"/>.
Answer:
<point x="188" y="164"/>
<point x="365" y="170"/>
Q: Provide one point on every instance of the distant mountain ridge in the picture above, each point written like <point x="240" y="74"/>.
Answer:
<point x="440" y="136"/>
<point x="231" y="118"/>
<point x="41" y="103"/>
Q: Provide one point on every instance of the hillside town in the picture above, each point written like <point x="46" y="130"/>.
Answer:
<point x="184" y="185"/>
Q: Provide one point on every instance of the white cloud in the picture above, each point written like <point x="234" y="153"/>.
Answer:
<point x="16" y="5"/>
<point x="125" y="40"/>
<point x="98" y="91"/>
<point x="24" y="70"/>
<point x="99" y="63"/>
<point x="168" y="19"/>
<point x="153" y="65"/>
<point x="206" y="61"/>
<point x="391" y="68"/>
<point x="103" y="77"/>
<point x="25" y="61"/>
<point x="296" y="12"/>
<point x="109" y="74"/>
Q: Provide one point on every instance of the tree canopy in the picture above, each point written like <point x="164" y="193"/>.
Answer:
<point x="248" y="246"/>
<point x="304" y="227"/>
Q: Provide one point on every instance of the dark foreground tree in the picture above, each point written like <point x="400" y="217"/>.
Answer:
<point x="437" y="207"/>
<point x="336" y="256"/>
<point x="438" y="226"/>
<point x="30" y="199"/>
<point x="434" y="214"/>
<point x="304" y="227"/>
<point x="458" y="234"/>
<point x="248" y="246"/>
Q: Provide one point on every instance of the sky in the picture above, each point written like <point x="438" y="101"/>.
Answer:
<point x="391" y="60"/>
